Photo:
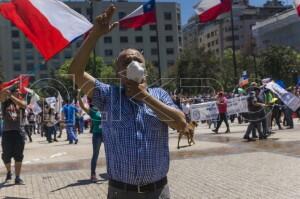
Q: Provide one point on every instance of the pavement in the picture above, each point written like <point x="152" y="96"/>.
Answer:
<point x="217" y="166"/>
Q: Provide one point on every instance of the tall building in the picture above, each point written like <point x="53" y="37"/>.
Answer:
<point x="216" y="36"/>
<point x="281" y="29"/>
<point x="17" y="55"/>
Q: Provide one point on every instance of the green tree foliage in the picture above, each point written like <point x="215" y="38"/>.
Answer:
<point x="103" y="71"/>
<point x="198" y="71"/>
<point x="281" y="63"/>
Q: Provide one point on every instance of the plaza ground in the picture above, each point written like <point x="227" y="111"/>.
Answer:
<point x="217" y="166"/>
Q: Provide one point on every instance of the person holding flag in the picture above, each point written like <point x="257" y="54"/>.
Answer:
<point x="135" y="121"/>
<point x="13" y="139"/>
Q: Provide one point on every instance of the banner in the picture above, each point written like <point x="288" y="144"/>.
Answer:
<point x="51" y="101"/>
<point x="286" y="97"/>
<point x="237" y="105"/>
<point x="204" y="111"/>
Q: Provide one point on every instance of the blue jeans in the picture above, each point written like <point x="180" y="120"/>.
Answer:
<point x="97" y="140"/>
<point x="71" y="133"/>
<point x="81" y="124"/>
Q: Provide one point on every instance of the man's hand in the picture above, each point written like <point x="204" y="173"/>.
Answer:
<point x="103" y="24"/>
<point x="136" y="91"/>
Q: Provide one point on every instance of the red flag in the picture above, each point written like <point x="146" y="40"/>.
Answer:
<point x="10" y="83"/>
<point x="209" y="10"/>
<point x="24" y="82"/>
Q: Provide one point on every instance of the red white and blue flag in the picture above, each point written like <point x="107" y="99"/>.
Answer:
<point x="244" y="80"/>
<point x="209" y="10"/>
<point x="49" y="24"/>
<point x="145" y="14"/>
<point x="297" y="6"/>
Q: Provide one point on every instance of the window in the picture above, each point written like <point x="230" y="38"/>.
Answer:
<point x="107" y="40"/>
<point x="122" y="15"/>
<point x="153" y="39"/>
<point x="43" y="67"/>
<point x="17" y="67"/>
<point x="169" y="38"/>
<point x="77" y="10"/>
<point x="68" y="54"/>
<point x="170" y="51"/>
<point x="170" y="63"/>
<point x="16" y="45"/>
<point x="168" y="16"/>
<point x="16" y="56"/>
<point x="154" y="51"/>
<point x="108" y="52"/>
<point x="179" y="28"/>
<point x="138" y="29"/>
<point x="15" y="33"/>
<point x="139" y="39"/>
<point x="155" y="63"/>
<point x="124" y="39"/>
<point x="152" y="27"/>
<point x="168" y="27"/>
<point x="30" y="67"/>
<point x="28" y="45"/>
<point x="29" y="55"/>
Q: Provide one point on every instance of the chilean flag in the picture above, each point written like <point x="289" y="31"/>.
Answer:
<point x="145" y="14"/>
<point x="209" y="10"/>
<point x="49" y="24"/>
<point x="297" y="6"/>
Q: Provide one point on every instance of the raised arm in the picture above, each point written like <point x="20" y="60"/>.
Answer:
<point x="101" y="27"/>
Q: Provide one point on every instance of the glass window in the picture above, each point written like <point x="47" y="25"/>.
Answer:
<point x="168" y="16"/>
<point x="29" y="55"/>
<point x="16" y="56"/>
<point x="138" y="29"/>
<point x="108" y="52"/>
<point x="122" y="15"/>
<point x="68" y="54"/>
<point x="28" y="45"/>
<point x="17" y="67"/>
<point x="153" y="39"/>
<point x="170" y="51"/>
<point x="124" y="39"/>
<point x="170" y="63"/>
<point x="152" y="27"/>
<point x="107" y="40"/>
<point x="154" y="51"/>
<point x="15" y="33"/>
<point x="43" y="67"/>
<point x="77" y="10"/>
<point x="30" y="67"/>
<point x="168" y="27"/>
<point x="169" y="38"/>
<point x="16" y="45"/>
<point x="139" y="39"/>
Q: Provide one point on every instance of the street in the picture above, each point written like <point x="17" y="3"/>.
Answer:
<point x="217" y="166"/>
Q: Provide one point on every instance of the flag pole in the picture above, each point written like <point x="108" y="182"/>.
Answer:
<point x="157" y="46"/>
<point x="233" y="45"/>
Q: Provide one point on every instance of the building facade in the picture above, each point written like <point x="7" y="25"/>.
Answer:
<point x="282" y="29"/>
<point x="216" y="36"/>
<point x="17" y="54"/>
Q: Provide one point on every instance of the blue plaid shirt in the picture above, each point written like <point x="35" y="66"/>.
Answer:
<point x="136" y="141"/>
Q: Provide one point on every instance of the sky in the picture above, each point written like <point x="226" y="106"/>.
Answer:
<point x="187" y="6"/>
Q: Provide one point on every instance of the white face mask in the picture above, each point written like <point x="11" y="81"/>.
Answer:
<point x="136" y="71"/>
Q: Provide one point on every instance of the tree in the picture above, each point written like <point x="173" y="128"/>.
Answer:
<point x="102" y="72"/>
<point x="280" y="63"/>
<point x="198" y="71"/>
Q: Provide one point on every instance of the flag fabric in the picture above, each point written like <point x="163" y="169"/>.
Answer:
<point x="209" y="10"/>
<point x="49" y="24"/>
<point x="24" y="83"/>
<point x="9" y="83"/>
<point x="244" y="80"/>
<point x="145" y="14"/>
<point x="297" y="6"/>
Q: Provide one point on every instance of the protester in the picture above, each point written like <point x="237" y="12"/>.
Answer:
<point x="49" y="118"/>
<point x="222" y="107"/>
<point x="13" y="139"/>
<point x="135" y="127"/>
<point x="69" y="111"/>
<point x="96" y="129"/>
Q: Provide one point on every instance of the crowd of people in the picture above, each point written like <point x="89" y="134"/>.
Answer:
<point x="265" y="110"/>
